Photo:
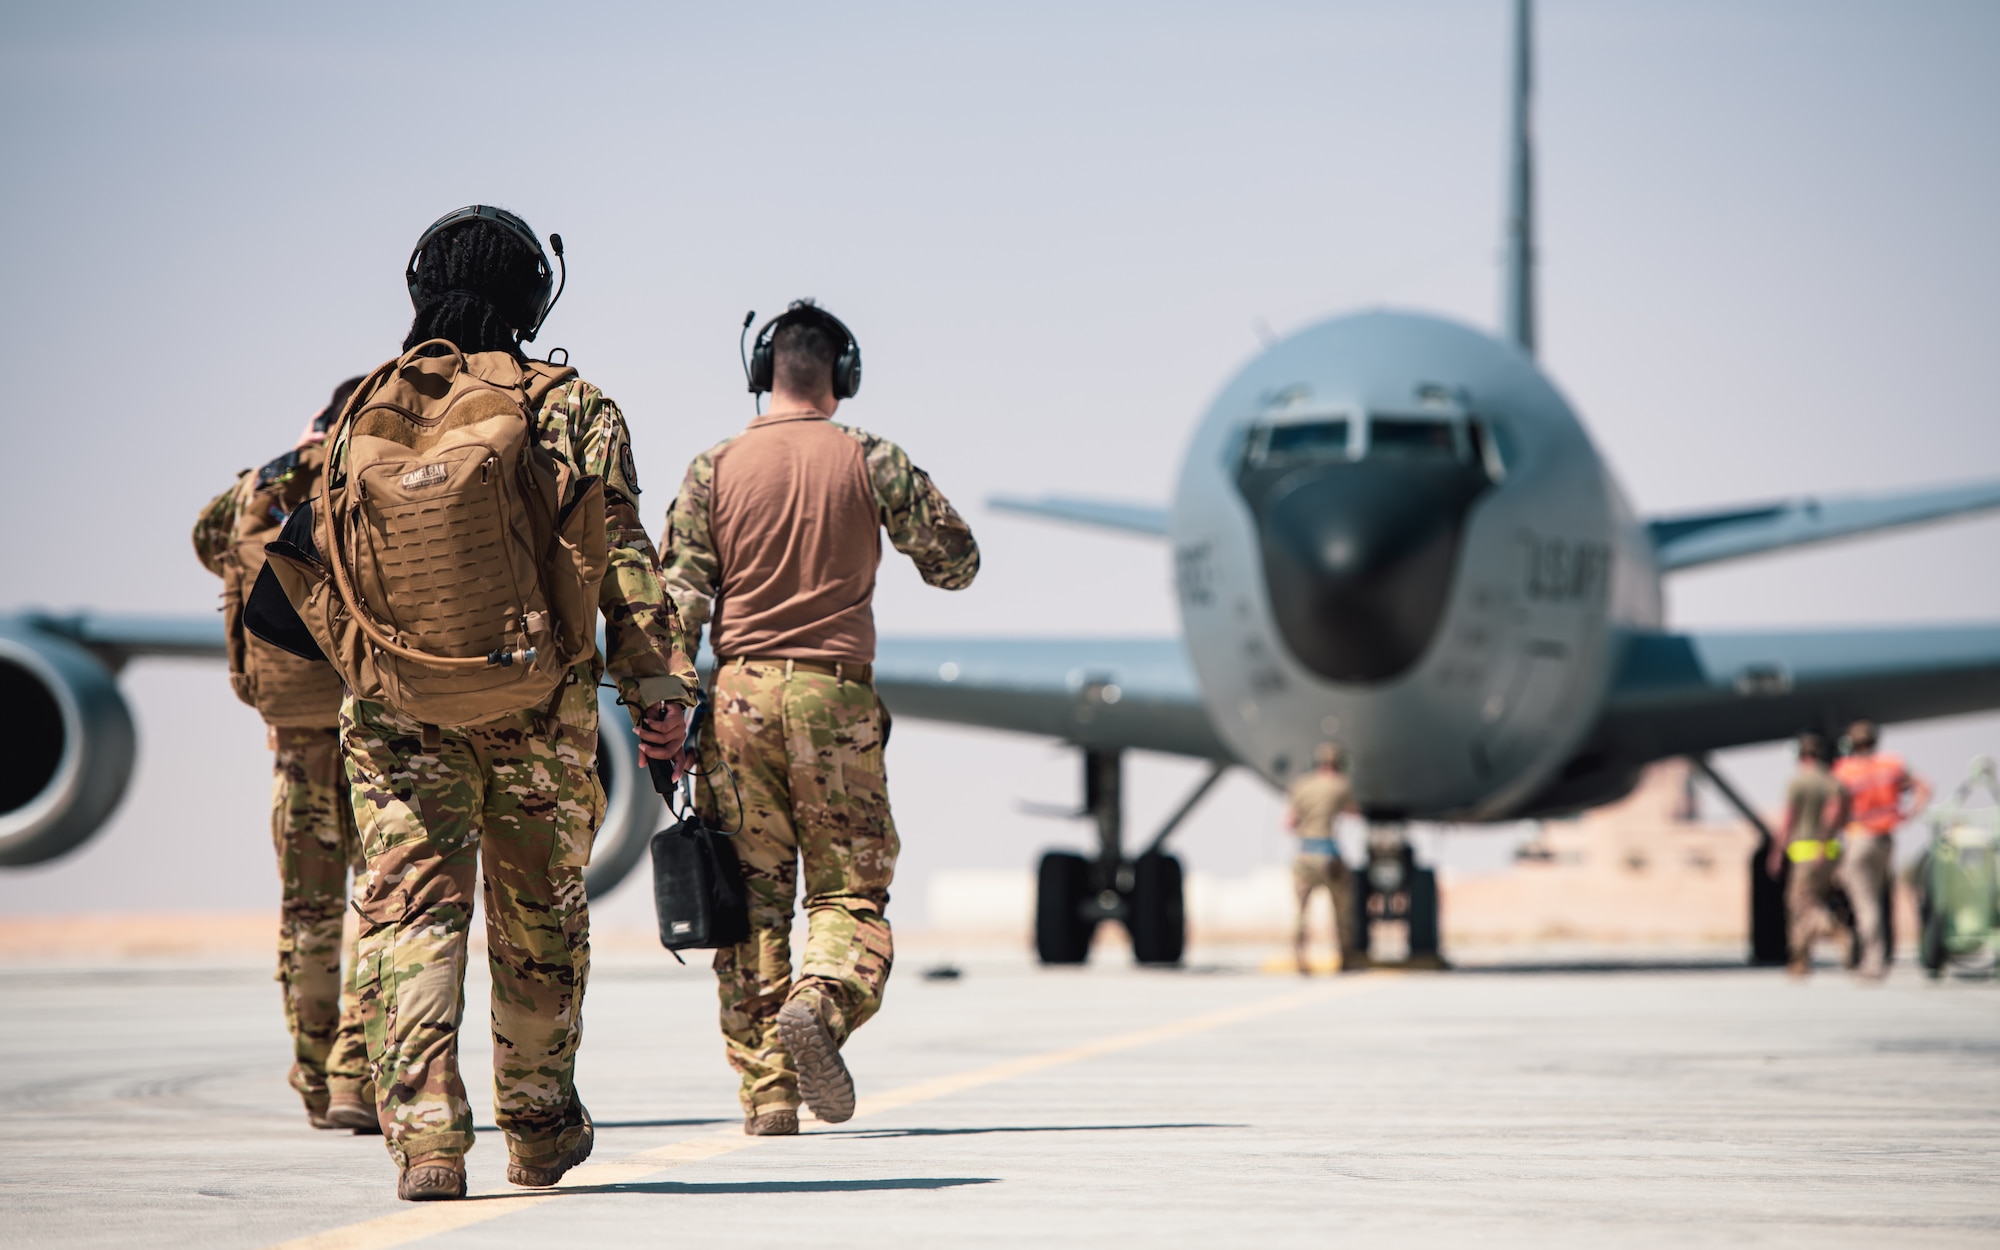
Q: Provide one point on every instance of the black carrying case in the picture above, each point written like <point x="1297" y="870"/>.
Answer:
<point x="698" y="890"/>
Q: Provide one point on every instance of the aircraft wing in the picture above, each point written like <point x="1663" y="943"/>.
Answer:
<point x="1709" y="537"/>
<point x="1095" y="692"/>
<point x="118" y="636"/>
<point x="1683" y="694"/>
<point x="1131" y="518"/>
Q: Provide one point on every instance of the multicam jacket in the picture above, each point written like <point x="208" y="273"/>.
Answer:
<point x="642" y="650"/>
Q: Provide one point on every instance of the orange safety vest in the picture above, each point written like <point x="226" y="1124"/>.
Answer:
<point x="1875" y="785"/>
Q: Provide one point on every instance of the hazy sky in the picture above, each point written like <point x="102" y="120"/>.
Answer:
<point x="1770" y="268"/>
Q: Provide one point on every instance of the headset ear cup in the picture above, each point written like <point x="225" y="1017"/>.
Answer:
<point x="847" y="372"/>
<point x="762" y="365"/>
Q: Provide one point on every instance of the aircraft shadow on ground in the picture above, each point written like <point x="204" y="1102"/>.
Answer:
<point x="785" y="1187"/>
<point x="1007" y="1128"/>
<point x="1557" y="967"/>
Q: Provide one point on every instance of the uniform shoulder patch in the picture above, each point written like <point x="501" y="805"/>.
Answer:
<point x="627" y="467"/>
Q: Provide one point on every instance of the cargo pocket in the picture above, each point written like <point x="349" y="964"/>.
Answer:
<point x="579" y="814"/>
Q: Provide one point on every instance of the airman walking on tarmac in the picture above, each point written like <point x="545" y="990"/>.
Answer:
<point x="779" y="529"/>
<point x="442" y="798"/>
<point x="312" y="823"/>
<point x="1312" y="803"/>
<point x="1816" y="807"/>
<point x="1876" y="783"/>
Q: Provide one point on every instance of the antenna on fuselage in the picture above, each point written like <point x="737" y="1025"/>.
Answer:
<point x="1517" y="313"/>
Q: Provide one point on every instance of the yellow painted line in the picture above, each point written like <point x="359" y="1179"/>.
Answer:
<point x="429" y="1219"/>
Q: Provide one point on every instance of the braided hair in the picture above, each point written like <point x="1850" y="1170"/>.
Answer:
<point x="478" y="287"/>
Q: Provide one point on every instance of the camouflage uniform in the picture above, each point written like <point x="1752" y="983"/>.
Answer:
<point x="804" y="780"/>
<point x="528" y="794"/>
<point x="312" y="831"/>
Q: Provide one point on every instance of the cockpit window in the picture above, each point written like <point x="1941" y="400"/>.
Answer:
<point x="1412" y="438"/>
<point x="1303" y="442"/>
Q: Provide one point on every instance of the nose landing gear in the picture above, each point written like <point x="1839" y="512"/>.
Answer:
<point x="1075" y="894"/>
<point x="1392" y="885"/>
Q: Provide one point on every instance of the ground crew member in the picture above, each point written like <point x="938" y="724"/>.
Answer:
<point x="520" y="793"/>
<point x="1816" y="807"/>
<point x="312" y="823"/>
<point x="778" y="528"/>
<point x="1876" y="783"/>
<point x="1311" y="804"/>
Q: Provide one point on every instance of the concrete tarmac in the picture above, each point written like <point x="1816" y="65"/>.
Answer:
<point x="1561" y="1103"/>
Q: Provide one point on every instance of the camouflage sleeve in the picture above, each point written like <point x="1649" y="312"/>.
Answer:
<point x="215" y="525"/>
<point x="642" y="636"/>
<point x="691" y="570"/>
<point x="920" y="521"/>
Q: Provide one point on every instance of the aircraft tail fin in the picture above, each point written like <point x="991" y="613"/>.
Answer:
<point x="1730" y="534"/>
<point x="1130" y="518"/>
<point x="1517" y="313"/>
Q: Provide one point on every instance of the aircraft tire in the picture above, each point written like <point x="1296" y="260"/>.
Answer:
<point x="1158" y="916"/>
<point x="1062" y="934"/>
<point x="1931" y="950"/>
<point x="1423" y="913"/>
<point x="632" y="809"/>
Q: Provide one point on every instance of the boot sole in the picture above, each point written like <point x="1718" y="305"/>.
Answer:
<point x="824" y="1081"/>
<point x="430" y="1184"/>
<point x="353" y="1116"/>
<point x="772" y="1124"/>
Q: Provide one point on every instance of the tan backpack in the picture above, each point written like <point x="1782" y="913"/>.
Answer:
<point x="285" y="689"/>
<point x="459" y="560"/>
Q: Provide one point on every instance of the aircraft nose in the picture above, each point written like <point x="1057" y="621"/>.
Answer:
<point x="1358" y="560"/>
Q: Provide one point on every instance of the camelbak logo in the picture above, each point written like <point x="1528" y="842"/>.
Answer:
<point x="429" y="475"/>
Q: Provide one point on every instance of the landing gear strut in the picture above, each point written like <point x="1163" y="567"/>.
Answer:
<point x="1392" y="885"/>
<point x="1075" y="894"/>
<point x="1770" y="945"/>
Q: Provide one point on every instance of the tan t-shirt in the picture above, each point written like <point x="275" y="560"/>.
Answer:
<point x="1316" y="799"/>
<point x="1806" y="799"/>
<point x="779" y="530"/>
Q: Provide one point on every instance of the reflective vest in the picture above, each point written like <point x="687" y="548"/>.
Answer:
<point x="1811" y="851"/>
<point x="1875" y="785"/>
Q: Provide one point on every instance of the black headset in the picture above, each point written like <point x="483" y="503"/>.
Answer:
<point x="507" y="221"/>
<point x="762" y="366"/>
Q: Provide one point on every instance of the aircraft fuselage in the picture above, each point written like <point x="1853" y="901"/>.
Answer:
<point x="1392" y="531"/>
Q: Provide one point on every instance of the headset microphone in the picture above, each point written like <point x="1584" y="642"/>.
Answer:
<point x="555" y="242"/>
<point x="744" y="356"/>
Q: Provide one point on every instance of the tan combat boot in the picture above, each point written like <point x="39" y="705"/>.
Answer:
<point x="777" y="1122"/>
<point x="431" y="1178"/>
<point x="824" y="1081"/>
<point x="352" y="1106"/>
<point x="572" y="1146"/>
<point x="316" y="1110"/>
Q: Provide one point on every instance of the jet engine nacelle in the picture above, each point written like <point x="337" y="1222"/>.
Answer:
<point x="66" y="745"/>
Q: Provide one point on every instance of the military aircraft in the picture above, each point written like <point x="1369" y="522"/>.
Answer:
<point x="1390" y="529"/>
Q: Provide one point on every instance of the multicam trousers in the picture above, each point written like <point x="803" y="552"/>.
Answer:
<point x="523" y="804"/>
<point x="804" y="780"/>
<point x="312" y="829"/>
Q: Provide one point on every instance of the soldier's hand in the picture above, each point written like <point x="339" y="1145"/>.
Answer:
<point x="313" y="434"/>
<point x="662" y="735"/>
